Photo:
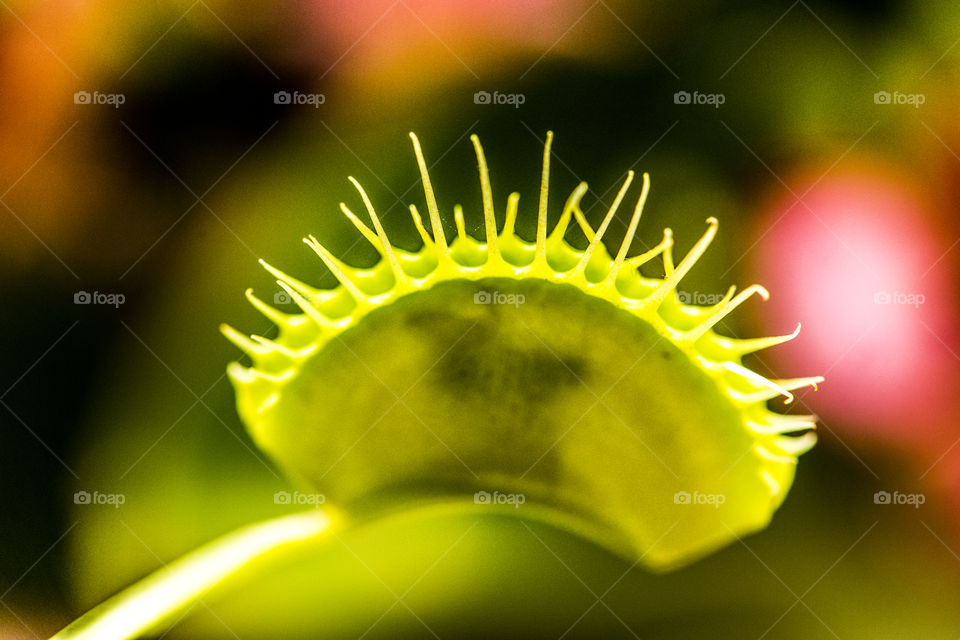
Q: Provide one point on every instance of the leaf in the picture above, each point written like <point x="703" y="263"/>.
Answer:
<point x="156" y="599"/>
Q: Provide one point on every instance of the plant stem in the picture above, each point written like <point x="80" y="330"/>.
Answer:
<point x="155" y="599"/>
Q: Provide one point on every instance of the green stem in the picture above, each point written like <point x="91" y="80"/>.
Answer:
<point x="157" y="598"/>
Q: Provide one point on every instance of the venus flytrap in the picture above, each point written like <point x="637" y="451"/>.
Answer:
<point x="596" y="395"/>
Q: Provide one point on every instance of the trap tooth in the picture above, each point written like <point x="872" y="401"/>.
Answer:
<point x="292" y="354"/>
<point x="602" y="229"/>
<point x="273" y="314"/>
<point x="631" y="232"/>
<point x="573" y="202"/>
<point x="303" y="288"/>
<point x="776" y="424"/>
<point x="540" y="252"/>
<point x="668" y="267"/>
<point x="385" y="245"/>
<point x="418" y="223"/>
<point x="240" y="374"/>
<point x="751" y="345"/>
<point x="796" y="445"/>
<point x="772" y="483"/>
<point x="781" y="387"/>
<point x="486" y="192"/>
<point x="656" y="298"/>
<point x="461" y="224"/>
<point x="510" y="219"/>
<point x="337" y="268"/>
<point x="724" y="308"/>
<point x="309" y="308"/>
<point x="244" y="342"/>
<point x="770" y="388"/>
<point x="439" y="237"/>
<point x="638" y="260"/>
<point x="361" y="227"/>
<point x="768" y="452"/>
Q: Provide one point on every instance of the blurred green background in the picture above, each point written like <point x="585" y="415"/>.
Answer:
<point x="832" y="163"/>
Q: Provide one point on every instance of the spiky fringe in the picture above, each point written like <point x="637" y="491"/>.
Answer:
<point x="549" y="257"/>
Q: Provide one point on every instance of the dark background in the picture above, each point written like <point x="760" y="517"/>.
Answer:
<point x="824" y="194"/>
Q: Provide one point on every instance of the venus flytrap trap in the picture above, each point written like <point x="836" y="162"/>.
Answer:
<point x="614" y="410"/>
